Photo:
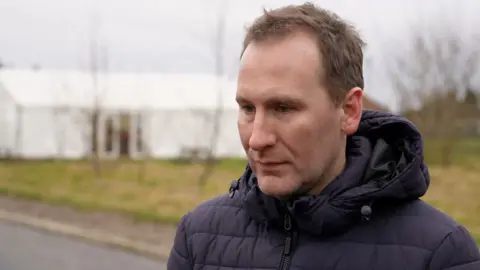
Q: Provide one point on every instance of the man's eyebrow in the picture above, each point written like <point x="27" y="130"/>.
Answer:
<point x="241" y="99"/>
<point x="274" y="100"/>
<point x="286" y="100"/>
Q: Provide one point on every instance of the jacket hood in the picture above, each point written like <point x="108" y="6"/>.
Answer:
<point x="384" y="164"/>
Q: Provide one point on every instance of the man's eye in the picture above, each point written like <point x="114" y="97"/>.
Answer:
<point x="283" y="108"/>
<point x="248" y="108"/>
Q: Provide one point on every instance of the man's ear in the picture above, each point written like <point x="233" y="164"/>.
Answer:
<point x="352" y="110"/>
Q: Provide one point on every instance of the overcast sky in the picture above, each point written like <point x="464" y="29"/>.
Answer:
<point x="176" y="36"/>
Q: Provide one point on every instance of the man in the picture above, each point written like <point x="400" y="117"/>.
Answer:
<point x="328" y="185"/>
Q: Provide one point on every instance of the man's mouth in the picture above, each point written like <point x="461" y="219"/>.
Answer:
<point x="270" y="163"/>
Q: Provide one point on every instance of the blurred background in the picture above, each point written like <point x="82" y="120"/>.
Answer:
<point x="127" y="107"/>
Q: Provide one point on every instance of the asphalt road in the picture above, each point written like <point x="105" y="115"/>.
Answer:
<point x="24" y="248"/>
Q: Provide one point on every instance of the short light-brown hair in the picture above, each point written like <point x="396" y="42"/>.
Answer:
<point x="339" y="43"/>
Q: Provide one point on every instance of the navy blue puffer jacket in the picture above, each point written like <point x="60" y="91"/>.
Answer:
<point x="369" y="218"/>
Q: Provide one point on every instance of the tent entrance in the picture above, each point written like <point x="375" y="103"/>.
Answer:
<point x="121" y="135"/>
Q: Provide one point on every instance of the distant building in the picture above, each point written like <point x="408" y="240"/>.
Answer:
<point x="60" y="114"/>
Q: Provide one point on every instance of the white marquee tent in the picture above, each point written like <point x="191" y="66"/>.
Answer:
<point x="47" y="114"/>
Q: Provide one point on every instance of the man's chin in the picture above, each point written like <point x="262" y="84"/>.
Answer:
<point x="277" y="191"/>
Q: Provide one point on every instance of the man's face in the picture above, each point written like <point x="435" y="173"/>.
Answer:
<point x="289" y="127"/>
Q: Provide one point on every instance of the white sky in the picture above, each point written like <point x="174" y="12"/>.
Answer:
<point x="173" y="36"/>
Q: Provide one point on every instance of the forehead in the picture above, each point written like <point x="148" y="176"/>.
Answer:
<point x="297" y="51"/>
<point x="287" y="67"/>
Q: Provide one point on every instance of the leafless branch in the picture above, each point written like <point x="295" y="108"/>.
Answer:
<point x="215" y="42"/>
<point x="98" y="56"/>
<point x="440" y="67"/>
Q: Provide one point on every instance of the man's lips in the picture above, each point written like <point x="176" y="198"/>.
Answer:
<point x="270" y="163"/>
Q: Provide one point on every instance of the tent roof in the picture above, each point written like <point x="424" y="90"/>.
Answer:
<point x="124" y="91"/>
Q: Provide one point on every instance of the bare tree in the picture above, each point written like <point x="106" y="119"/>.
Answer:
<point x="142" y="145"/>
<point x="97" y="61"/>
<point x="216" y="41"/>
<point x="218" y="52"/>
<point x="430" y="82"/>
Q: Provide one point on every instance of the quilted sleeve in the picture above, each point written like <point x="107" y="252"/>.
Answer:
<point x="179" y="254"/>
<point x="458" y="251"/>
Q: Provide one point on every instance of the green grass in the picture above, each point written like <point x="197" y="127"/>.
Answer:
<point x="152" y="190"/>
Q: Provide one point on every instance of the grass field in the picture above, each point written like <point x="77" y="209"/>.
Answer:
<point x="151" y="190"/>
<point x="163" y="190"/>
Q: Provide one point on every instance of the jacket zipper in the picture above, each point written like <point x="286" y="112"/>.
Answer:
<point x="287" y="250"/>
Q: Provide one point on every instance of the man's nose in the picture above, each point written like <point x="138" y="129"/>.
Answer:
<point x="262" y="136"/>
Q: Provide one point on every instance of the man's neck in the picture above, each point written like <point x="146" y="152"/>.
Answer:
<point x="335" y="169"/>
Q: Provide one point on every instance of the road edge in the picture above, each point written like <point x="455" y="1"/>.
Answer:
<point x="130" y="245"/>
